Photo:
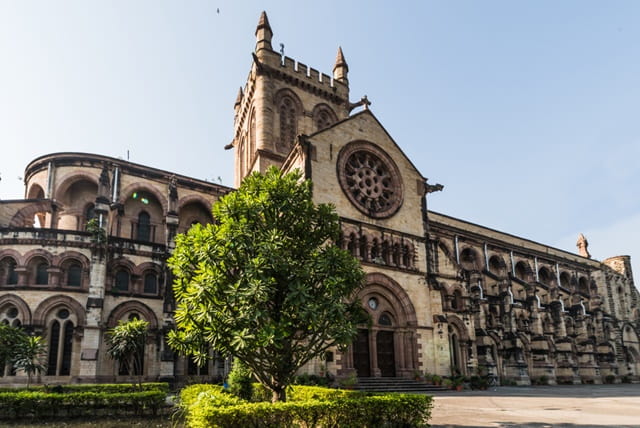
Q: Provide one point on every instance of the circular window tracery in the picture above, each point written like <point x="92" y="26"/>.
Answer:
<point x="370" y="179"/>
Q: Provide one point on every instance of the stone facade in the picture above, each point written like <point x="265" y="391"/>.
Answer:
<point x="445" y="296"/>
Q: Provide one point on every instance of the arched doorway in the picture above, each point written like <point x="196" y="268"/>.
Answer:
<point x="386" y="348"/>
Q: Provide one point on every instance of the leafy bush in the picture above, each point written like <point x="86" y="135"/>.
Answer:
<point x="92" y="387"/>
<point x="190" y="394"/>
<point x="240" y="380"/>
<point x="312" y="379"/>
<point x="308" y="407"/>
<point x="40" y="404"/>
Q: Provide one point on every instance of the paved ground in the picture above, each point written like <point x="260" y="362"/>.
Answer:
<point x="577" y="406"/>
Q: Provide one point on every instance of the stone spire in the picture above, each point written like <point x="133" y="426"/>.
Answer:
<point x="238" y="98"/>
<point x="582" y="245"/>
<point x="341" y="68"/>
<point x="263" y="33"/>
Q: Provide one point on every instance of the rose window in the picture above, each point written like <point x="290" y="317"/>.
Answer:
<point x="370" y="180"/>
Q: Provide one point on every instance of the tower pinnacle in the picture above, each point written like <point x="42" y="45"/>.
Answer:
<point x="263" y="33"/>
<point x="341" y="68"/>
<point x="582" y="245"/>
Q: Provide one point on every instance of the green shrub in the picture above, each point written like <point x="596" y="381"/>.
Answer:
<point x="308" y="407"/>
<point x="240" y="380"/>
<point x="302" y="393"/>
<point x="39" y="404"/>
<point x="189" y="394"/>
<point x="312" y="379"/>
<point x="92" y="387"/>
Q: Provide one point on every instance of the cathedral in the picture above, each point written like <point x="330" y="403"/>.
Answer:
<point x="88" y="245"/>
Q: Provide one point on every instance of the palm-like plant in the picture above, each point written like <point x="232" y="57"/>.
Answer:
<point x="30" y="356"/>
<point x="126" y="343"/>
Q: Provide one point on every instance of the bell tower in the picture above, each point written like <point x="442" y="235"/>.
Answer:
<point x="282" y="99"/>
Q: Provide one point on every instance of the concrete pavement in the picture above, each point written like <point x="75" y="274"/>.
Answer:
<point x="576" y="406"/>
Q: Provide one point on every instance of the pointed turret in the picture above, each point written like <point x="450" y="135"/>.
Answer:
<point x="263" y="33"/>
<point x="238" y="98"/>
<point x="341" y="68"/>
<point x="582" y="245"/>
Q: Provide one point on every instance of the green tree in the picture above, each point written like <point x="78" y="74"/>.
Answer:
<point x="126" y="343"/>
<point x="240" y="380"/>
<point x="10" y="338"/>
<point x="30" y="356"/>
<point x="265" y="283"/>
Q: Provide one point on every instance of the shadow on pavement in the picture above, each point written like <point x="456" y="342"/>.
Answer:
<point x="534" y="425"/>
<point x="566" y="391"/>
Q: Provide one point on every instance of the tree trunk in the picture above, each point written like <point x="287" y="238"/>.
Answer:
<point x="279" y="394"/>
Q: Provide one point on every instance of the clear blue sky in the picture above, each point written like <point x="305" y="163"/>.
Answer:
<point x="527" y="112"/>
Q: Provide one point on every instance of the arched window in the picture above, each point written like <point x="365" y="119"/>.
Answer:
<point x="375" y="251"/>
<point x="89" y="213"/>
<point x="521" y="271"/>
<point x="544" y="276"/>
<point x="456" y="301"/>
<point x="455" y="350"/>
<point x="353" y="244"/>
<point x="469" y="259"/>
<point x="288" y="123"/>
<point x="8" y="271"/>
<point x="363" y="248"/>
<point x="121" y="280"/>
<point x="151" y="283"/>
<point x="583" y="286"/>
<point x="565" y="280"/>
<point x="144" y="226"/>
<point x="407" y="260"/>
<point x="42" y="276"/>
<point x="74" y="275"/>
<point x="9" y="316"/>
<point x="252" y="138"/>
<point x="386" y="256"/>
<point x="496" y="265"/>
<point x="323" y="119"/>
<point x="60" y="344"/>
<point x="385" y="319"/>
<point x="395" y="254"/>
<point x="135" y="366"/>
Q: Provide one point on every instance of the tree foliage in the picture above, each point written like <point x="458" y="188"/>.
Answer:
<point x="10" y="338"/>
<point x="265" y="282"/>
<point x="126" y="343"/>
<point x="22" y="351"/>
<point x="30" y="356"/>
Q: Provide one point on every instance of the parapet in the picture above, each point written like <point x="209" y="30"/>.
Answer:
<point x="292" y="70"/>
<point x="620" y="264"/>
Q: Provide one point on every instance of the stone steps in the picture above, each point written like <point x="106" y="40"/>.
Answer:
<point x="395" y="384"/>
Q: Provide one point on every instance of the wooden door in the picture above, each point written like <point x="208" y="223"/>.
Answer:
<point x="385" y="352"/>
<point x="361" y="354"/>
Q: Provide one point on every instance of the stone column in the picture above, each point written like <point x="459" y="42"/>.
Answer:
<point x="373" y="352"/>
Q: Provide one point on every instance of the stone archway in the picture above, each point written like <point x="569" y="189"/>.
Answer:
<point x="388" y="347"/>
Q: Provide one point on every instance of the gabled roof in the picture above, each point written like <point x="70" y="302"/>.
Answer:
<point x="370" y="113"/>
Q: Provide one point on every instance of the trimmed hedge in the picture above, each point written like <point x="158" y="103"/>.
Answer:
<point x="94" y="387"/>
<point x="38" y="404"/>
<point x="304" y="393"/>
<point x="308" y="407"/>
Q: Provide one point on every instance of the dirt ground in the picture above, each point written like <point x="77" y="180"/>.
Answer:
<point x="577" y="406"/>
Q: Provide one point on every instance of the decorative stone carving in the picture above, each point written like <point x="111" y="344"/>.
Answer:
<point x="370" y="179"/>
<point x="582" y="245"/>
